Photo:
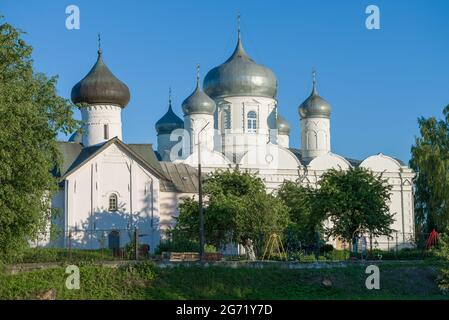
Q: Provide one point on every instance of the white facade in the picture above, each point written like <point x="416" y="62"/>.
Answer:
<point x="315" y="137"/>
<point x="108" y="186"/>
<point x="87" y="216"/>
<point x="200" y="129"/>
<point x="101" y="123"/>
<point x="244" y="123"/>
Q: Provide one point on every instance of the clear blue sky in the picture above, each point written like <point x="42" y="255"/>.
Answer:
<point x="377" y="81"/>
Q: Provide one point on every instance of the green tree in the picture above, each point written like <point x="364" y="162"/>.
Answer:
<point x="443" y="252"/>
<point x="430" y="160"/>
<point x="238" y="209"/>
<point x="31" y="115"/>
<point x="304" y="220"/>
<point x="354" y="201"/>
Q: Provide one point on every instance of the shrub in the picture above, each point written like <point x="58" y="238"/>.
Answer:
<point x="182" y="246"/>
<point x="62" y="254"/>
<point x="443" y="253"/>
<point x="403" y="254"/>
<point x="308" y="258"/>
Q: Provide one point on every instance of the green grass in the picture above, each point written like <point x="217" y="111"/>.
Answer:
<point x="144" y="281"/>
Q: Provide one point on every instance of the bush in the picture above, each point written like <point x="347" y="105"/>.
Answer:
<point x="182" y="246"/>
<point x="327" y="248"/>
<point x="32" y="255"/>
<point x="339" y="255"/>
<point x="443" y="253"/>
<point x="241" y="257"/>
<point x="403" y="254"/>
<point x="308" y="258"/>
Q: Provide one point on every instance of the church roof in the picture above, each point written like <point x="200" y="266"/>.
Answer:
<point x="175" y="177"/>
<point x="74" y="156"/>
<point x="99" y="86"/>
<point x="183" y="178"/>
<point x="297" y="153"/>
<point x="240" y="75"/>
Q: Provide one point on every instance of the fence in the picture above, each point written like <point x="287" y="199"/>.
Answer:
<point x="134" y="243"/>
<point x="126" y="244"/>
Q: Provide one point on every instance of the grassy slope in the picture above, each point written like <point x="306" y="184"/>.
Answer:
<point x="146" y="282"/>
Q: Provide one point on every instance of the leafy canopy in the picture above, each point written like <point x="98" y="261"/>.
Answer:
<point x="304" y="219"/>
<point x="238" y="209"/>
<point x="430" y="160"/>
<point x="354" y="201"/>
<point x="31" y="115"/>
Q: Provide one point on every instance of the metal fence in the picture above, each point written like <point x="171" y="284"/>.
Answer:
<point x="134" y="243"/>
<point x="122" y="244"/>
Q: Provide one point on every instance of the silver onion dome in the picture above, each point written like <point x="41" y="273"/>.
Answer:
<point x="198" y="101"/>
<point x="169" y="121"/>
<point x="314" y="105"/>
<point x="100" y="86"/>
<point x="240" y="76"/>
<point x="282" y="125"/>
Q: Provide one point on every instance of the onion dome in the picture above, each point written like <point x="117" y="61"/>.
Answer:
<point x="198" y="101"/>
<point x="100" y="86"/>
<point x="76" y="137"/>
<point x="282" y="125"/>
<point x="240" y="76"/>
<point x="169" y="121"/>
<point x="314" y="106"/>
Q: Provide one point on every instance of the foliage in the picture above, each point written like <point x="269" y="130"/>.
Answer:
<point x="238" y="209"/>
<point x="304" y="222"/>
<point x="354" y="201"/>
<point x="404" y="254"/>
<point x="182" y="245"/>
<point x="430" y="160"/>
<point x="31" y="255"/>
<point x="31" y="115"/>
<point x="443" y="253"/>
<point x="146" y="282"/>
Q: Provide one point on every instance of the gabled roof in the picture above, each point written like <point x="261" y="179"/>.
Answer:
<point x="74" y="156"/>
<point x="183" y="178"/>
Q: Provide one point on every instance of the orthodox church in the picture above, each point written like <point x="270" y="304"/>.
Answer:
<point x="109" y="187"/>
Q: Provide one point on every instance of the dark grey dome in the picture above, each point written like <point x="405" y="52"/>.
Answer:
<point x="76" y="137"/>
<point x="100" y="86"/>
<point x="240" y="76"/>
<point x="169" y="122"/>
<point x="314" y="106"/>
<point x="198" y="102"/>
<point x="282" y="125"/>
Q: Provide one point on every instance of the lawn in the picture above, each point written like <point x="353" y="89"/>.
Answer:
<point x="145" y="281"/>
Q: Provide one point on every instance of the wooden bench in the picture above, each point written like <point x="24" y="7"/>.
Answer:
<point x="184" y="256"/>
<point x="194" y="256"/>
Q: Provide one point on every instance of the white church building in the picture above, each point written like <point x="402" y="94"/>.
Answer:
<point x="109" y="187"/>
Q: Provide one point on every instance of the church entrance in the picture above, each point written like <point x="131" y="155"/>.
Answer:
<point x="114" y="240"/>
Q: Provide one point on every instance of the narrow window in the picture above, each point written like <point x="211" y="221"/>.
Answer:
<point x="252" y="121"/>
<point x="106" y="132"/>
<point x="226" y="119"/>
<point x="113" y="202"/>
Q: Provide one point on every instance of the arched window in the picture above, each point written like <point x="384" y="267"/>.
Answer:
<point x="113" y="202"/>
<point x="226" y="119"/>
<point x="252" y="121"/>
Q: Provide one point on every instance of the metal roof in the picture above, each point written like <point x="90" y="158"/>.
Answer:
<point x="183" y="178"/>
<point x="100" y="86"/>
<point x="74" y="156"/>
<point x="240" y="76"/>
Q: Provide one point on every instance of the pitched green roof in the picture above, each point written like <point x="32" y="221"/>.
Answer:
<point x="74" y="156"/>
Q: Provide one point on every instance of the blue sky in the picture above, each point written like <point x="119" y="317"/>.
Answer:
<point x="377" y="81"/>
